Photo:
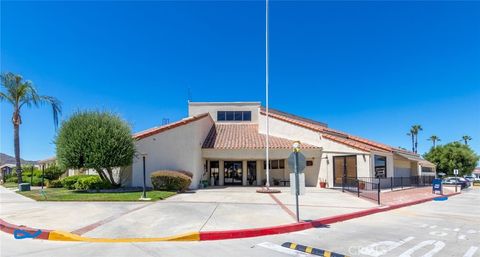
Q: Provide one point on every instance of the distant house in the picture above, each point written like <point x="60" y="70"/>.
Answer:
<point x="6" y="169"/>
<point x="49" y="162"/>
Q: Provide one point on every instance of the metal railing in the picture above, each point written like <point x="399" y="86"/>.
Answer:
<point x="370" y="187"/>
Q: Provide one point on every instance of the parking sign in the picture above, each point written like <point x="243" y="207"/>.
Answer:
<point x="455" y="172"/>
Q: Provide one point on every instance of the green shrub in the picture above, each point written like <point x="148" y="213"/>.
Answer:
<point x="69" y="182"/>
<point x="188" y="173"/>
<point x="170" y="180"/>
<point x="53" y="172"/>
<point x="54" y="184"/>
<point x="12" y="179"/>
<point x="91" y="183"/>
<point x="35" y="181"/>
<point x="28" y="173"/>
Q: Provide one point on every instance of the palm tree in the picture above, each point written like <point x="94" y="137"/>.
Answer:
<point x="414" y="134"/>
<point x="434" y="140"/>
<point x="21" y="93"/>
<point x="466" y="138"/>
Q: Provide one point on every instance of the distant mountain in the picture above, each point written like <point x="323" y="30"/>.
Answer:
<point x="7" y="159"/>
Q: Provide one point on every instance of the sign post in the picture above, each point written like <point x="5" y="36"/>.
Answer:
<point x="455" y="172"/>
<point x="297" y="163"/>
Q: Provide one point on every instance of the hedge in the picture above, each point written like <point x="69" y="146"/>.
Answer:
<point x="91" y="183"/>
<point x="54" y="184"/>
<point x="170" y="180"/>
<point x="35" y="181"/>
<point x="69" y="182"/>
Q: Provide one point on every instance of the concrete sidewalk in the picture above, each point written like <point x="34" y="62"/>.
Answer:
<point x="412" y="194"/>
<point x="214" y="209"/>
<point x="202" y="210"/>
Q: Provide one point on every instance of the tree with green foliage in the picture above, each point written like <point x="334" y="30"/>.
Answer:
<point x="466" y="138"/>
<point x="434" y="140"/>
<point x="453" y="156"/>
<point x="95" y="140"/>
<point x="20" y="93"/>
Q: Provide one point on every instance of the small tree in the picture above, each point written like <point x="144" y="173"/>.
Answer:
<point x="95" y="140"/>
<point x="453" y="156"/>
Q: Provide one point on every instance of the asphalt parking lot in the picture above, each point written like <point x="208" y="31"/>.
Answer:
<point x="437" y="228"/>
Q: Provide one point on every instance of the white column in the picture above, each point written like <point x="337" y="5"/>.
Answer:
<point x="259" y="172"/>
<point x="244" y="173"/>
<point x="221" y="173"/>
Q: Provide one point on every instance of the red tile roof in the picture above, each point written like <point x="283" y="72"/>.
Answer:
<point x="244" y="136"/>
<point x="156" y="130"/>
<point x="334" y="135"/>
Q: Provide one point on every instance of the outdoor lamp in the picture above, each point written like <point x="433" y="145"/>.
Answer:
<point x="296" y="146"/>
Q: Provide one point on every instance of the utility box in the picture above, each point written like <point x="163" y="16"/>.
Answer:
<point x="24" y="187"/>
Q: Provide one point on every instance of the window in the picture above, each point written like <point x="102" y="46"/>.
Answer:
<point x="427" y="169"/>
<point x="229" y="116"/>
<point x="234" y="116"/>
<point x="221" y="116"/>
<point x="309" y="163"/>
<point x="275" y="164"/>
<point x="380" y="166"/>
<point x="247" y="116"/>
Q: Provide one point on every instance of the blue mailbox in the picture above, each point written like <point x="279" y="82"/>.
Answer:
<point x="437" y="186"/>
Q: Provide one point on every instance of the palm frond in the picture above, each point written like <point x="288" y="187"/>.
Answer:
<point x="56" y="106"/>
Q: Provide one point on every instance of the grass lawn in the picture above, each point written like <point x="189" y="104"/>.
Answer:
<point x="10" y="185"/>
<point x="62" y="194"/>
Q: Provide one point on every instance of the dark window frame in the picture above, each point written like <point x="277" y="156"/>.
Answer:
<point x="379" y="166"/>
<point x="234" y="116"/>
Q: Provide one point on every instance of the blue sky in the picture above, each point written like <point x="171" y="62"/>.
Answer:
<point x="369" y="68"/>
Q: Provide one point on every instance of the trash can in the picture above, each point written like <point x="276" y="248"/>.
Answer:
<point x="24" y="187"/>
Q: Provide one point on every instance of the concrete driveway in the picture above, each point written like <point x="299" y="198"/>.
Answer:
<point x="202" y="210"/>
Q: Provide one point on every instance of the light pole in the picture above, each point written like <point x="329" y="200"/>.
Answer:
<point x="144" y="194"/>
<point x="43" y="174"/>
<point x="296" y="149"/>
<point x="267" y="166"/>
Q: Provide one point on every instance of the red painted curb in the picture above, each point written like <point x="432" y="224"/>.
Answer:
<point x="244" y="233"/>
<point x="10" y="228"/>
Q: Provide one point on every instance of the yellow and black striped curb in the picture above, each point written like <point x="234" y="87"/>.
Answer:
<point x="311" y="250"/>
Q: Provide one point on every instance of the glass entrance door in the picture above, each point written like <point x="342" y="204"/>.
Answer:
<point x="233" y="173"/>
<point x="214" y="173"/>
<point x="344" y="167"/>
<point x="252" y="172"/>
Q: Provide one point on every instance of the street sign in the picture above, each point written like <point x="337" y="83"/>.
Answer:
<point x="455" y="172"/>
<point x="301" y="180"/>
<point x="302" y="162"/>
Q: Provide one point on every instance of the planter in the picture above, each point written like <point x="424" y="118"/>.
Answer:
<point x="361" y="185"/>
<point x="323" y="184"/>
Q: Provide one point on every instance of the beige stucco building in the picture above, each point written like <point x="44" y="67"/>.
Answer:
<point x="224" y="144"/>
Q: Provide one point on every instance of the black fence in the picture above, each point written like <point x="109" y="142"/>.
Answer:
<point x="370" y="187"/>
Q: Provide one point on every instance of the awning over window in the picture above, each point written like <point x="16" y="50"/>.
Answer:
<point x="417" y="158"/>
<point x="425" y="163"/>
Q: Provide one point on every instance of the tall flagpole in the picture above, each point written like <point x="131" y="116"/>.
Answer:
<point x="267" y="184"/>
